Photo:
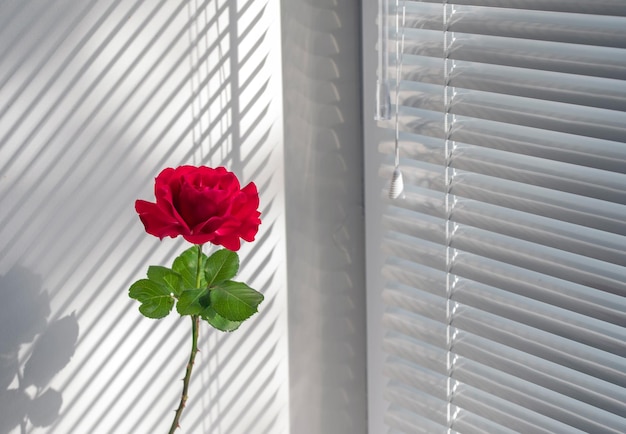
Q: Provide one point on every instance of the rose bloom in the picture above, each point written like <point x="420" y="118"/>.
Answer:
<point x="203" y="205"/>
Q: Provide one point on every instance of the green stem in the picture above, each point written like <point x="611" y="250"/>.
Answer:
<point x="195" y="319"/>
<point x="195" y="324"/>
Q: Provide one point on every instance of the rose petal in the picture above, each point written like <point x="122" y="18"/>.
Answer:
<point x="156" y="222"/>
<point x="231" y="242"/>
<point x="197" y="205"/>
<point x="200" y="238"/>
<point x="202" y="204"/>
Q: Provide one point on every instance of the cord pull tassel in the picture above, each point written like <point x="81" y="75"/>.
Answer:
<point x="397" y="184"/>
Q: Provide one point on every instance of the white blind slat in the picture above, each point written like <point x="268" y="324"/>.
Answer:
<point x="572" y="383"/>
<point x="539" y="400"/>
<point x="505" y="274"/>
<point x="602" y="365"/>
<point x="592" y="8"/>
<point x="574" y="296"/>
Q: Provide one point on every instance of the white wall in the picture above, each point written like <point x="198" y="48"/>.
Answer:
<point x="95" y="99"/>
<point x="324" y="184"/>
<point x="375" y="193"/>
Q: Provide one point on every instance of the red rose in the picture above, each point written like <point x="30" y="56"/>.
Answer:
<point x="203" y="205"/>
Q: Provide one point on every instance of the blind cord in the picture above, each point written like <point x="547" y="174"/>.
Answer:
<point x="396" y="186"/>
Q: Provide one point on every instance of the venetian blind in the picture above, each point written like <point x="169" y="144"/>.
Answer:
<point x="505" y="296"/>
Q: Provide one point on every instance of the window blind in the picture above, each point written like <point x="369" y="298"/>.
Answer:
<point x="505" y="271"/>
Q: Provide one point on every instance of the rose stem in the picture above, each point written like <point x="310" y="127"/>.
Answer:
<point x="195" y="323"/>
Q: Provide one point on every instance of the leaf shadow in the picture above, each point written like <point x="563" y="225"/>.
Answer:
<point x="32" y="351"/>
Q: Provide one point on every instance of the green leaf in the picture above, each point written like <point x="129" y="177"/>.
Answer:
<point x="219" y="322"/>
<point x="221" y="266"/>
<point x="187" y="266"/>
<point x="166" y="277"/>
<point x="193" y="301"/>
<point x="235" y="301"/>
<point x="155" y="299"/>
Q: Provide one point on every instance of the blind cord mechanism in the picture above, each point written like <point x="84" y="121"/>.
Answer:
<point x="396" y="187"/>
<point x="383" y="103"/>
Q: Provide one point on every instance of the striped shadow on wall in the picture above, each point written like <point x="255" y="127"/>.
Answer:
<point x="95" y="99"/>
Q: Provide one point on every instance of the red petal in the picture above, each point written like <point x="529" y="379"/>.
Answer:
<point x="156" y="222"/>
<point x="231" y="242"/>
<point x="200" y="238"/>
